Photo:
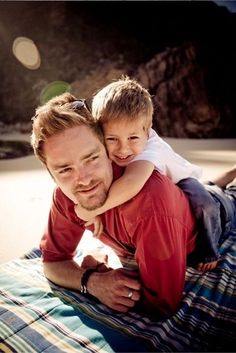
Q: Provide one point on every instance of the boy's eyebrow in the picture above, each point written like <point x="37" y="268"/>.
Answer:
<point x="130" y="133"/>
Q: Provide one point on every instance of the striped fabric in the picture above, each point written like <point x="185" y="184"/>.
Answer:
<point x="38" y="316"/>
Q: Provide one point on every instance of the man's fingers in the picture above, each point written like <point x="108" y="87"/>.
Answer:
<point x="130" y="294"/>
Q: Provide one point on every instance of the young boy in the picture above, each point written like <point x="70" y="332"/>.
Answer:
<point x="124" y="109"/>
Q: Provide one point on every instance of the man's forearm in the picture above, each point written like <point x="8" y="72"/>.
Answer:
<point x="112" y="288"/>
<point x="64" y="273"/>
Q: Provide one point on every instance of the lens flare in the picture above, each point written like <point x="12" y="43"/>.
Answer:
<point x="54" y="89"/>
<point x="26" y="52"/>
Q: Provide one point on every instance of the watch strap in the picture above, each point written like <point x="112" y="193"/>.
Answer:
<point x="84" y="279"/>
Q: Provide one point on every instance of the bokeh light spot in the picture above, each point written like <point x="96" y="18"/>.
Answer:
<point x="26" y="52"/>
<point x="54" y="89"/>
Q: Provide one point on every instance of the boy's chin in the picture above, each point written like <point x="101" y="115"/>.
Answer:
<point x="122" y="163"/>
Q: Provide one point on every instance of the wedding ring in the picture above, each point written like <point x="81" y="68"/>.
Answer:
<point x="130" y="294"/>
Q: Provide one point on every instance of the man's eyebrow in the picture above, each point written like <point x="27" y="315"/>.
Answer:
<point x="91" y="153"/>
<point x="59" y="166"/>
<point x="86" y="156"/>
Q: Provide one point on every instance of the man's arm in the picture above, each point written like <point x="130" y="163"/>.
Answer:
<point x="58" y="247"/>
<point x="110" y="288"/>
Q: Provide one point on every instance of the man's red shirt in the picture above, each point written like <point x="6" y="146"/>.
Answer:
<point x="156" y="226"/>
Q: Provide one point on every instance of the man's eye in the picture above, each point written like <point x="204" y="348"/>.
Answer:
<point x="111" y="139"/>
<point x="94" y="158"/>
<point x="65" y="170"/>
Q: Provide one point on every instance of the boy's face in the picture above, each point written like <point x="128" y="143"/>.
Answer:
<point x="124" y="139"/>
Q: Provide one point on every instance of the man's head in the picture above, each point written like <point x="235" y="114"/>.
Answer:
<point x="67" y="139"/>
<point x="124" y="109"/>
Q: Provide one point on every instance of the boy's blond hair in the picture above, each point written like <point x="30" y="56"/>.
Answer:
<point x="124" y="98"/>
<point x="57" y="115"/>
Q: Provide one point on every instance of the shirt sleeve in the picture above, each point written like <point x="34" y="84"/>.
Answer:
<point x="166" y="161"/>
<point x="63" y="232"/>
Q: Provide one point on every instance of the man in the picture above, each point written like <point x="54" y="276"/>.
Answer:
<point x="156" y="227"/>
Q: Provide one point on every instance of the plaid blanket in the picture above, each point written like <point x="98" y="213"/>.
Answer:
<point x="38" y="316"/>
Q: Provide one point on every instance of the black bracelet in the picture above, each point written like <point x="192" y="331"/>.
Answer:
<point x="84" y="279"/>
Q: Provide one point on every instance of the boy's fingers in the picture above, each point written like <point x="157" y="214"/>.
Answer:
<point x="88" y="223"/>
<point x="96" y="229"/>
<point x="100" y="230"/>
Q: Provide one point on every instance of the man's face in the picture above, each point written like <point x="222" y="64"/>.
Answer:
<point x="78" y="162"/>
<point x="124" y="139"/>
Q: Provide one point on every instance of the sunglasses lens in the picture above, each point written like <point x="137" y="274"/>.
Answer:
<point x="76" y="105"/>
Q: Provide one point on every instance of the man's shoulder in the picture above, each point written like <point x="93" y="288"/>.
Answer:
<point x="158" y="179"/>
<point x="160" y="188"/>
<point x="61" y="200"/>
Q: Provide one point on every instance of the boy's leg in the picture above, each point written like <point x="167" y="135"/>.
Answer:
<point x="207" y="212"/>
<point x="226" y="178"/>
<point x="227" y="199"/>
<point x="230" y="193"/>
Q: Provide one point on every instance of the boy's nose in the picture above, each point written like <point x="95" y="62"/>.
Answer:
<point x="123" y="147"/>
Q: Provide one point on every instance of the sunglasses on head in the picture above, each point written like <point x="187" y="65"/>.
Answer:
<point x="78" y="104"/>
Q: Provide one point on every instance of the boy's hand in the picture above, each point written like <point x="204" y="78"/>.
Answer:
<point x="84" y="214"/>
<point x="91" y="218"/>
<point x="97" y="224"/>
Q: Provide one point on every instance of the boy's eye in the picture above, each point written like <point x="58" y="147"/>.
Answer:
<point x="133" y="137"/>
<point x="110" y="139"/>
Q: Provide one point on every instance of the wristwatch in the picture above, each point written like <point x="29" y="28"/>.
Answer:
<point x="84" y="279"/>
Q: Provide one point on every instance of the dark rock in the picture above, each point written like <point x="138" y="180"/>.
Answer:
<point x="183" y="51"/>
<point x="183" y="109"/>
<point x="14" y="149"/>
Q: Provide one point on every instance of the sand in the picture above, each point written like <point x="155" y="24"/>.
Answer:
<point x="26" y="189"/>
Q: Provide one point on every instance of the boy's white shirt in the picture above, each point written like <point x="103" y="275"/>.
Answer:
<point x="166" y="161"/>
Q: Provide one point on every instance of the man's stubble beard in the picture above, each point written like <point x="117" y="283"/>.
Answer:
<point x="96" y="204"/>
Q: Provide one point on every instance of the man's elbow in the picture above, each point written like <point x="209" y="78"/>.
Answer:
<point x="49" y="271"/>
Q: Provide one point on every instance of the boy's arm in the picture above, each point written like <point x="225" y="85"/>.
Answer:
<point x="123" y="189"/>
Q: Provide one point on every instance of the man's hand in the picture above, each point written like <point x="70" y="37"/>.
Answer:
<point x="118" y="289"/>
<point x="95" y="259"/>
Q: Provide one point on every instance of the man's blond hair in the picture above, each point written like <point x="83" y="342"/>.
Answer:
<point x="57" y="115"/>
<point x="124" y="98"/>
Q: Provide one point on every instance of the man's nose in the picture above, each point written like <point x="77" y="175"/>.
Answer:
<point x="82" y="176"/>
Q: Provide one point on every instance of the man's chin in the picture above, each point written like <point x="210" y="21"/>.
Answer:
<point x="92" y="206"/>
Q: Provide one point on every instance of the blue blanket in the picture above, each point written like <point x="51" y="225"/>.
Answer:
<point x="38" y="316"/>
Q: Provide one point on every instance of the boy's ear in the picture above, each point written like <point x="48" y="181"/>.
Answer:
<point x="148" y="126"/>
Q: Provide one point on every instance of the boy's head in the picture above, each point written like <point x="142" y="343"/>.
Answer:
<point x="124" y="98"/>
<point x="124" y="109"/>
